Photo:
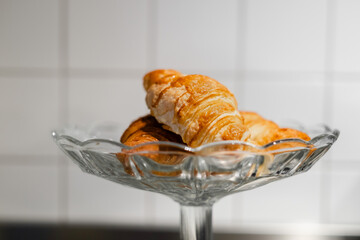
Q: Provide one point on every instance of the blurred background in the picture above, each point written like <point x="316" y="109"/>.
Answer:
<point x="82" y="62"/>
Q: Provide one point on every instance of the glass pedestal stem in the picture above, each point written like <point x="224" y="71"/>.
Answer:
<point x="196" y="222"/>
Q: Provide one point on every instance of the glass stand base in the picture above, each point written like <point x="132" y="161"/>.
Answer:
<point x="196" y="222"/>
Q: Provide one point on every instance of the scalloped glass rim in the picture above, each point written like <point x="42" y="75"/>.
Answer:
<point x="327" y="136"/>
<point x="194" y="176"/>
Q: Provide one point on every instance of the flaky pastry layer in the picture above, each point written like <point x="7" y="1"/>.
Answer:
<point x="197" y="107"/>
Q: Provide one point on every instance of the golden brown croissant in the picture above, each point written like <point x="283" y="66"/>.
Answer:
<point x="197" y="107"/>
<point x="263" y="131"/>
<point x="147" y="129"/>
<point x="143" y="130"/>
<point x="160" y="76"/>
<point x="283" y="133"/>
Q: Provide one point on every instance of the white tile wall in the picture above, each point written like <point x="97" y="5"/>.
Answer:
<point x="81" y="62"/>
<point x="96" y="200"/>
<point x="108" y="35"/>
<point x="29" y="33"/>
<point x="96" y="100"/>
<point x="283" y="97"/>
<point x="26" y="118"/>
<point x="223" y="211"/>
<point x="347" y="38"/>
<point x="286" y="35"/>
<point x="28" y="191"/>
<point x="196" y="35"/>
<point x="346" y="113"/>
<point x="166" y="211"/>
<point x="345" y="194"/>
<point x="292" y="200"/>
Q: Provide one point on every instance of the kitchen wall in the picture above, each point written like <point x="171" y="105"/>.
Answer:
<point x="81" y="62"/>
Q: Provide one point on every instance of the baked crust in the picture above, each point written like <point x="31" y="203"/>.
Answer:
<point x="200" y="110"/>
<point x="263" y="131"/>
<point x="197" y="107"/>
<point x="158" y="77"/>
<point x="143" y="130"/>
<point x="147" y="129"/>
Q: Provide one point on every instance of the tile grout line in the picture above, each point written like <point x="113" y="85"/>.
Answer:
<point x="63" y="78"/>
<point x="243" y="73"/>
<point x="329" y="59"/>
<point x="25" y="72"/>
<point x="240" y="64"/>
<point x="152" y="7"/>
<point x="125" y="72"/>
<point x="27" y="159"/>
<point x="152" y="33"/>
<point x="328" y="104"/>
<point x="241" y="36"/>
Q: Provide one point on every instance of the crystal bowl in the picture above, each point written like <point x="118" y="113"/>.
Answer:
<point x="193" y="176"/>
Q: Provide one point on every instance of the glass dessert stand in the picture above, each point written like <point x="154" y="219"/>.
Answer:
<point x="194" y="177"/>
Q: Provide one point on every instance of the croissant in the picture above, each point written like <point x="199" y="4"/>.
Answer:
<point x="143" y="130"/>
<point x="284" y="133"/>
<point x="147" y="129"/>
<point x="263" y="131"/>
<point x="196" y="107"/>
